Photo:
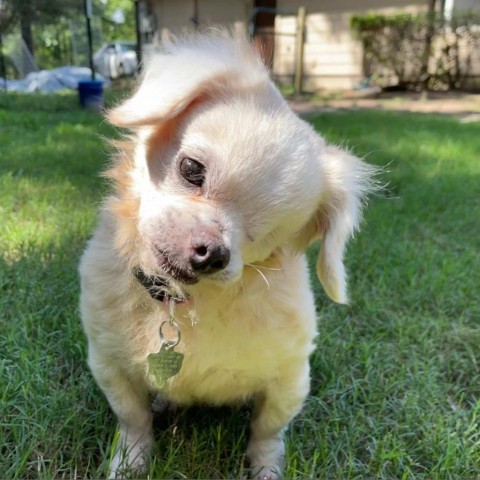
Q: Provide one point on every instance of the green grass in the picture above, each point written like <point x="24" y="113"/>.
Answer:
<point x="396" y="378"/>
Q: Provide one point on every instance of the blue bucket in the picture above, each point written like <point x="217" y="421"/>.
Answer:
<point x="91" y="94"/>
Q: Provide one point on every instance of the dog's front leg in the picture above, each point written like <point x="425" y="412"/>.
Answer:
<point x="129" y="401"/>
<point x="274" y="409"/>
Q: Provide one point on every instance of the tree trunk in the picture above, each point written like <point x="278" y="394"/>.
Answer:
<point x="430" y="31"/>
<point x="26" y="27"/>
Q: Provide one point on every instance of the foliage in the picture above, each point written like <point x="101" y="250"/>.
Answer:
<point x="58" y="27"/>
<point x="113" y="30"/>
<point x="36" y="11"/>
<point x="28" y="14"/>
<point x="395" y="47"/>
<point x="396" y="383"/>
<point x="376" y="21"/>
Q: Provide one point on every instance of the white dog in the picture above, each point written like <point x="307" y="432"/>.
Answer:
<point x="195" y="284"/>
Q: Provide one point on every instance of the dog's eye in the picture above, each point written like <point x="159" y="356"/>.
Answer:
<point x="192" y="171"/>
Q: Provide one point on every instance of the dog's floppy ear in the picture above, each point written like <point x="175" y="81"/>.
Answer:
<point x="347" y="181"/>
<point x="185" y="73"/>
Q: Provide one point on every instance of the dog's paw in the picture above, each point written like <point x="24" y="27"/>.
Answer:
<point x="266" y="473"/>
<point x="131" y="456"/>
<point x="123" y="466"/>
<point x="266" y="458"/>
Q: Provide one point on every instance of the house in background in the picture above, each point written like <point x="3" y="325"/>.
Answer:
<point x="333" y="58"/>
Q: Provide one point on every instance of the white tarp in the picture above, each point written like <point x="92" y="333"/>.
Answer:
<point x="48" y="81"/>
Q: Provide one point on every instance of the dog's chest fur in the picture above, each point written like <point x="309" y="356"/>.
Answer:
<point x="239" y="342"/>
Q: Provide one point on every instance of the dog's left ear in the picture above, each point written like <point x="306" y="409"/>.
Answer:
<point x="347" y="181"/>
<point x="186" y="74"/>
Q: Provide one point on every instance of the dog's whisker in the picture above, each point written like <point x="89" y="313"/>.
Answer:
<point x="267" y="268"/>
<point x="260" y="273"/>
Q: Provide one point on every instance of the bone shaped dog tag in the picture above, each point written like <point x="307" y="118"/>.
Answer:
<point x="164" y="364"/>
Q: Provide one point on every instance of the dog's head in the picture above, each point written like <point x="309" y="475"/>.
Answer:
<point x="223" y="173"/>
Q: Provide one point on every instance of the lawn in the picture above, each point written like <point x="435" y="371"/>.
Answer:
<point x="396" y="375"/>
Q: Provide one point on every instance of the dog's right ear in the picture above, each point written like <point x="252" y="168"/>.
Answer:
<point x="185" y="74"/>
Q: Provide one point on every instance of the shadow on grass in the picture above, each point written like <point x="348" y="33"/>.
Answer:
<point x="209" y="442"/>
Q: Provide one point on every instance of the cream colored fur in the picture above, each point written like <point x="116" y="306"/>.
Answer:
<point x="272" y="187"/>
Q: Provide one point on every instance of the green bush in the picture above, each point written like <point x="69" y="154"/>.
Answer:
<point x="411" y="50"/>
<point x="374" y="21"/>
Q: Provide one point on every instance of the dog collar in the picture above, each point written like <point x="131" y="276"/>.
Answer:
<point x="157" y="287"/>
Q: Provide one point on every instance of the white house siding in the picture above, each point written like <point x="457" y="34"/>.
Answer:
<point x="176" y="16"/>
<point x="332" y="57"/>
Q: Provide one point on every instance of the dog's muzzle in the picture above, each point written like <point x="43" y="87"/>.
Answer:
<point x="191" y="259"/>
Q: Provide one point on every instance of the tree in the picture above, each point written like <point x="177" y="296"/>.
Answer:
<point x="429" y="33"/>
<point x="118" y="17"/>
<point x="30" y="12"/>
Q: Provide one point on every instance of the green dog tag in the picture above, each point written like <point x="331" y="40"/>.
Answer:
<point x="164" y="364"/>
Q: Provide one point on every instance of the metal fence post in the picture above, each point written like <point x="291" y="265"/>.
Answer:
<point x="2" y="61"/>
<point x="138" y="34"/>
<point x="88" y="16"/>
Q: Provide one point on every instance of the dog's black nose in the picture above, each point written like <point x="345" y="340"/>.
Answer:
<point x="209" y="258"/>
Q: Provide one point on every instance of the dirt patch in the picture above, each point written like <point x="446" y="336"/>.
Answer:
<point x="462" y="105"/>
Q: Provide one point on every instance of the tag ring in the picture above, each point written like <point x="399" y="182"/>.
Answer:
<point x="170" y="343"/>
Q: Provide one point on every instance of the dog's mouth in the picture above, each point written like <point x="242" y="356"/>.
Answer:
<point x="160" y="288"/>
<point x="178" y="273"/>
